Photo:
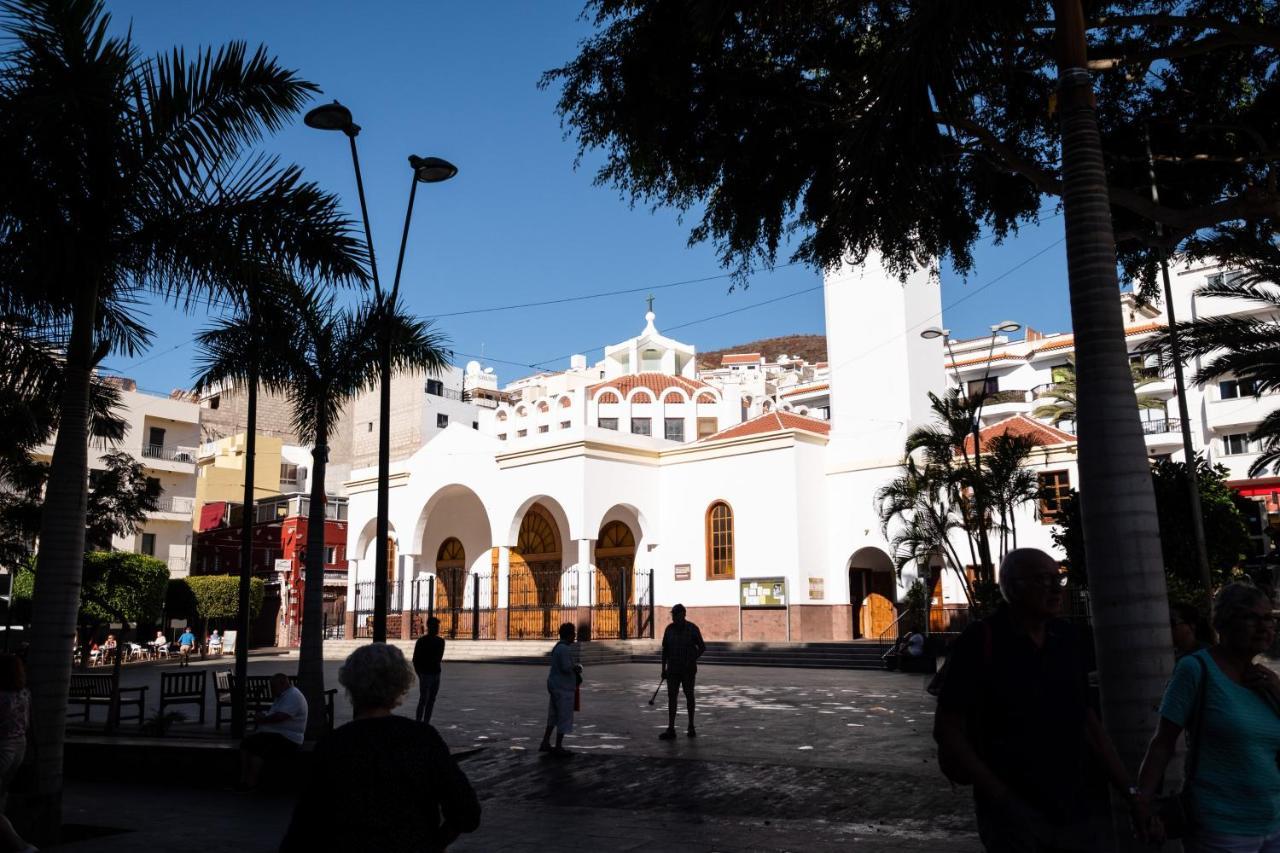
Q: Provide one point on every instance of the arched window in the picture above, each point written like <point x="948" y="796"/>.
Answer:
<point x="706" y="397"/>
<point x="607" y="397"/>
<point x="673" y="398"/>
<point x="641" y="397"/>
<point x="719" y="541"/>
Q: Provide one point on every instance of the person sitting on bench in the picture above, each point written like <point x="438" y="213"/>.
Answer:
<point x="281" y="731"/>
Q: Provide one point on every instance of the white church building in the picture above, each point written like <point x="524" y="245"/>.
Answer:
<point x="605" y="494"/>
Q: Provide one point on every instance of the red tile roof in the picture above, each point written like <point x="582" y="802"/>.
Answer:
<point x="773" y="422"/>
<point x="1064" y="341"/>
<point x="806" y="389"/>
<point x="655" y="382"/>
<point x="740" y="358"/>
<point x="1040" y="434"/>
<point x="982" y="359"/>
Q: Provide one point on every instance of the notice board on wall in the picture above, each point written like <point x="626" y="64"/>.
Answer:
<point x="759" y="593"/>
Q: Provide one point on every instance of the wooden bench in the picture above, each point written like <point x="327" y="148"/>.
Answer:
<point x="258" y="697"/>
<point x="182" y="688"/>
<point x="89" y="691"/>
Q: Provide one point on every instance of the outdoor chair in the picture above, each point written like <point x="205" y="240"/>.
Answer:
<point x="182" y="688"/>
<point x="90" y="691"/>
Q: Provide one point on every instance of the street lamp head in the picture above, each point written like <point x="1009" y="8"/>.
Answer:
<point x="935" y="332"/>
<point x="431" y="170"/>
<point x="1008" y="326"/>
<point x="331" y="117"/>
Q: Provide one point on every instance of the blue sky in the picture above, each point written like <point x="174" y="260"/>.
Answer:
<point x="518" y="224"/>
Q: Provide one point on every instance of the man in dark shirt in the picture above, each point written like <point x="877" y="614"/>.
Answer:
<point x="427" y="654"/>
<point x="1014" y="717"/>
<point x="682" y="645"/>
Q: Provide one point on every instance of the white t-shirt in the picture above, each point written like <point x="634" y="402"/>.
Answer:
<point x="293" y="703"/>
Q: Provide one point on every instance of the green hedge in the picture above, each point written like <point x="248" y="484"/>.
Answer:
<point x="211" y="597"/>
<point x="117" y="585"/>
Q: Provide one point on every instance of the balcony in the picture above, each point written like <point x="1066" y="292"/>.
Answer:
<point x="183" y="458"/>
<point x="1162" y="432"/>
<point x="1241" y="414"/>
<point x="173" y="508"/>
<point x="1002" y="404"/>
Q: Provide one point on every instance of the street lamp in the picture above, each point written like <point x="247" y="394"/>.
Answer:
<point x="426" y="170"/>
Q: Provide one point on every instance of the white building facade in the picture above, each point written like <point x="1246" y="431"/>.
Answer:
<point x="607" y="493"/>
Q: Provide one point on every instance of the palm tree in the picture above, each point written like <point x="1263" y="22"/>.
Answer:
<point x="124" y="177"/>
<point x="330" y="356"/>
<point x="1244" y="346"/>
<point x="920" y="521"/>
<point x="235" y="353"/>
<point x="1009" y="483"/>
<point x="1061" y="405"/>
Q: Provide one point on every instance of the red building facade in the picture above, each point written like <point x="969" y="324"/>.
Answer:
<point x="278" y="556"/>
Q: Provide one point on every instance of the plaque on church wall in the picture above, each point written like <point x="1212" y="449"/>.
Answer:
<point x="683" y="572"/>
<point x="763" y="592"/>
<point x="816" y="590"/>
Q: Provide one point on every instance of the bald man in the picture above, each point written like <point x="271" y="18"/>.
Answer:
<point x="1014" y="717"/>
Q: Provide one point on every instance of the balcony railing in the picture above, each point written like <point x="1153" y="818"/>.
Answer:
<point x="176" y="504"/>
<point x="1010" y="396"/>
<point x="1161" y="426"/>
<point x="170" y="452"/>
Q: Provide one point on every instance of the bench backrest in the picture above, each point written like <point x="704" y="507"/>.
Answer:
<point x="258" y="688"/>
<point x="91" y="686"/>
<point x="222" y="681"/>
<point x="173" y="684"/>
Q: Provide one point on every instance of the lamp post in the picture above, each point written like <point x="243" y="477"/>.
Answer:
<point x="427" y="170"/>
<point x="975" y="422"/>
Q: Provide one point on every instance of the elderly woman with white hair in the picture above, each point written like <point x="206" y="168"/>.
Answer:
<point x="399" y="787"/>
<point x="1230" y="707"/>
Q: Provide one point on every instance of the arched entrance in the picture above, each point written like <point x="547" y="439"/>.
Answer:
<point x="451" y="583"/>
<point x="872" y="591"/>
<point x="614" y="585"/>
<point x="534" y="579"/>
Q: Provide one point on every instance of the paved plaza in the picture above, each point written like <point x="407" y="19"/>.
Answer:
<point x="785" y="760"/>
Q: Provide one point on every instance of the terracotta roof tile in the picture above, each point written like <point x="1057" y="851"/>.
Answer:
<point x="982" y="360"/>
<point x="773" y="422"/>
<point x="655" y="382"/>
<point x="740" y="358"/>
<point x="806" y="389"/>
<point x="1065" y="341"/>
<point x="1040" y="434"/>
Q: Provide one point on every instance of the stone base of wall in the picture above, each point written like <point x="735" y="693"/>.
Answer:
<point x="349" y="624"/>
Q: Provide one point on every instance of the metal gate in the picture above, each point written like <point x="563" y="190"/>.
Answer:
<point x="465" y="603"/>
<point x="540" y="597"/>
<point x="364" y="610"/>
<point x="622" y="602"/>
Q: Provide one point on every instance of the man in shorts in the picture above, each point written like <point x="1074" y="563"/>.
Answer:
<point x="682" y="645"/>
<point x="281" y="731"/>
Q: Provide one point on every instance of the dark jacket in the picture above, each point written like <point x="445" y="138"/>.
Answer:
<point x="386" y="783"/>
<point x="427" y="654"/>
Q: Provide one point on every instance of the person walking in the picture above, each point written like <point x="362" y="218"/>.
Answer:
<point x="15" y="717"/>
<point x="1230" y="707"/>
<point x="1015" y="721"/>
<point x="682" y="645"/>
<point x="411" y="795"/>
<point x="562" y="687"/>
<point x="427" y="654"/>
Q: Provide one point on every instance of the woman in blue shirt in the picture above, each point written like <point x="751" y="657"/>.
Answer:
<point x="1235" y="787"/>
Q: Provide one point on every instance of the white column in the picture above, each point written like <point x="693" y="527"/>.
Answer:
<point x="585" y="591"/>
<point x="407" y="570"/>
<point x="504" y="568"/>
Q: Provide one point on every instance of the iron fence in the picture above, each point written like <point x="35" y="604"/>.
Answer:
<point x="364" y="610"/>
<point x="465" y="603"/>
<point x="621" y="603"/>
<point x="540" y="597"/>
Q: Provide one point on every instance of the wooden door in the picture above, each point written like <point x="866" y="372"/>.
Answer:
<point x="875" y="616"/>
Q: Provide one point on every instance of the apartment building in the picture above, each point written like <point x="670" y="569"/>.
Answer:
<point x="163" y="433"/>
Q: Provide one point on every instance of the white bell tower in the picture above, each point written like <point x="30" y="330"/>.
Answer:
<point x="881" y="369"/>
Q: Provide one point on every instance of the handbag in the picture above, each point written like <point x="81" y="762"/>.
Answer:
<point x="1176" y="810"/>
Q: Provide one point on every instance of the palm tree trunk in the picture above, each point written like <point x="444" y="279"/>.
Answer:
<point x="311" y="651"/>
<point x="56" y="596"/>
<point x="1122" y="537"/>
<point x="238" y="710"/>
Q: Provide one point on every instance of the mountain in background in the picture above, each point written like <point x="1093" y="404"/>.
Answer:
<point x="809" y="347"/>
